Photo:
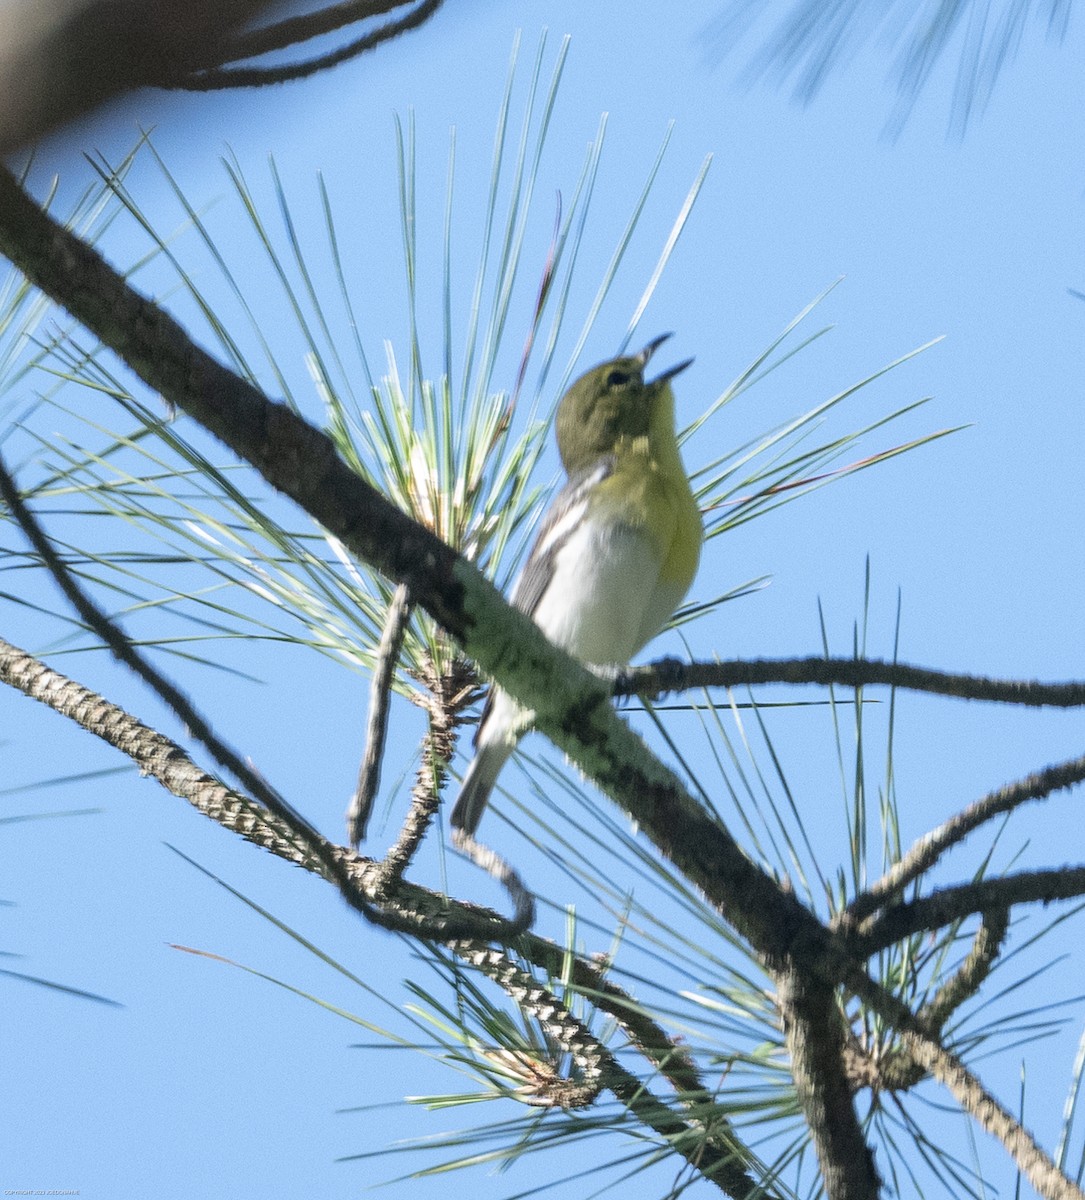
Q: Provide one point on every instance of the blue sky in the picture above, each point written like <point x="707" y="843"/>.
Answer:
<point x="209" y="1081"/>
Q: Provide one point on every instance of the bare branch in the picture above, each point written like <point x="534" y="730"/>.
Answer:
<point x="815" y="1041"/>
<point x="1035" y="1164"/>
<point x="671" y="675"/>
<point x="967" y="981"/>
<point x="946" y="905"/>
<point x="380" y="695"/>
<point x="247" y="77"/>
<point x="446" y="694"/>
<point x="926" y="852"/>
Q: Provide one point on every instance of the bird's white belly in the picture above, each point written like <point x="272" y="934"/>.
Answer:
<point x="604" y="600"/>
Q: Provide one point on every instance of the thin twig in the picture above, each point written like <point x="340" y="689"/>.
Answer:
<point x="671" y="675"/>
<point x="292" y="31"/>
<point x="124" y="651"/>
<point x="380" y="696"/>
<point x="494" y="865"/>
<point x="221" y="78"/>
<point x="969" y="978"/>
<point x="445" y="695"/>
<point x="899" y="1071"/>
<point x="929" y="848"/>
<point x="948" y="904"/>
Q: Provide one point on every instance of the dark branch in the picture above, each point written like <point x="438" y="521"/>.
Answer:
<point x="380" y="696"/>
<point x="926" y="852"/>
<point x="815" y="1041"/>
<point x="54" y="70"/>
<point x="946" y="905"/>
<point x="292" y="31"/>
<point x="58" y="61"/>
<point x="246" y="77"/>
<point x="670" y="675"/>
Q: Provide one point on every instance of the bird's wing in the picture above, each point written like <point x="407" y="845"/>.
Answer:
<point x="561" y="519"/>
<point x="560" y="522"/>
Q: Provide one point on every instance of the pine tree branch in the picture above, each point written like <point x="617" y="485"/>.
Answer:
<point x="380" y="695"/>
<point x="670" y="675"/>
<point x="1035" y="1164"/>
<point x="444" y="697"/>
<point x="926" y="1049"/>
<point x="929" y="848"/>
<point x="719" y="1158"/>
<point x="712" y="1149"/>
<point x="414" y="909"/>
<point x="125" y="652"/>
<point x="571" y="705"/>
<point x="948" y="904"/>
<point x="815" y="1040"/>
<point x="219" y="79"/>
<point x="669" y="1057"/>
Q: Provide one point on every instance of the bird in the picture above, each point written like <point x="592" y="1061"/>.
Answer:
<point x="615" y="553"/>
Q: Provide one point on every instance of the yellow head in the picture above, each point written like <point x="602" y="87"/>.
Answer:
<point x="613" y="402"/>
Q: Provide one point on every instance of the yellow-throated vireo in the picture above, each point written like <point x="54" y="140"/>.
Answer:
<point x="615" y="553"/>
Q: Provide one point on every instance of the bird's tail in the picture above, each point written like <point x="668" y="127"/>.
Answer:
<point x="478" y="783"/>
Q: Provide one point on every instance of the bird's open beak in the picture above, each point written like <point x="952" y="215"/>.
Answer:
<point x="650" y="349"/>
<point x="670" y="374"/>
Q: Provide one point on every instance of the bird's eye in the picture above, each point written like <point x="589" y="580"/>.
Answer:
<point x="617" y="379"/>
